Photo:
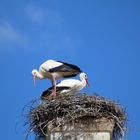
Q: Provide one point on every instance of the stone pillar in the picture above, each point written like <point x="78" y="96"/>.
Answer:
<point x="89" y="129"/>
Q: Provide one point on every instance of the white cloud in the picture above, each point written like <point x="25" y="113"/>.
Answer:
<point x="52" y="31"/>
<point x="8" y="33"/>
<point x="46" y="16"/>
<point x="35" y="14"/>
<point x="11" y="36"/>
<point x="44" y="30"/>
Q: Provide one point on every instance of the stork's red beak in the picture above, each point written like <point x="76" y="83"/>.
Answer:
<point x="87" y="82"/>
<point x="34" y="80"/>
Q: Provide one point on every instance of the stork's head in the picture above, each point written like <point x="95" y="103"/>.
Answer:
<point x="34" y="73"/>
<point x="84" y="76"/>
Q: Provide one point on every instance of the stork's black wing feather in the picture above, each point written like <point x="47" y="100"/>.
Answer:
<point x="71" y="65"/>
<point x="66" y="68"/>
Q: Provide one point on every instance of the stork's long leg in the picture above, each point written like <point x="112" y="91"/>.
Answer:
<point x="54" y="86"/>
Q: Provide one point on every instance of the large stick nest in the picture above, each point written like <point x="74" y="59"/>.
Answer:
<point x="68" y="109"/>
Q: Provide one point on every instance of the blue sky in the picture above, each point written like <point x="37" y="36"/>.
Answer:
<point x="101" y="37"/>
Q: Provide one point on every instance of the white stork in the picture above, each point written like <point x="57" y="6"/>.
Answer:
<point x="69" y="86"/>
<point x="54" y="70"/>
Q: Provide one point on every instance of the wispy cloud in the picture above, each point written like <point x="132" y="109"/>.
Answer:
<point x="46" y="16"/>
<point x="53" y="34"/>
<point x="34" y="13"/>
<point x="39" y="29"/>
<point x="8" y="33"/>
<point x="11" y="36"/>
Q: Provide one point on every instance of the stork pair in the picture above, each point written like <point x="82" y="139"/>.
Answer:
<point x="55" y="70"/>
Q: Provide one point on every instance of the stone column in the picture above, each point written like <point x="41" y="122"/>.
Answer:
<point x="89" y="129"/>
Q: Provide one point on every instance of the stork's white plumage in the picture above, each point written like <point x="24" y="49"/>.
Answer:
<point x="69" y="86"/>
<point x="54" y="70"/>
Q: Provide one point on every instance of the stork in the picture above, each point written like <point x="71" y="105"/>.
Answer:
<point x="69" y="86"/>
<point x="55" y="70"/>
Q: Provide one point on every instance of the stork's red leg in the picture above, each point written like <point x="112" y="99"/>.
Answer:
<point x="54" y="86"/>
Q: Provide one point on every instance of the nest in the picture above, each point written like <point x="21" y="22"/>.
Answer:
<point x="68" y="109"/>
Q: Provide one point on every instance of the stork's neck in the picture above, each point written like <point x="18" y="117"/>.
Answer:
<point x="38" y="75"/>
<point x="83" y="81"/>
